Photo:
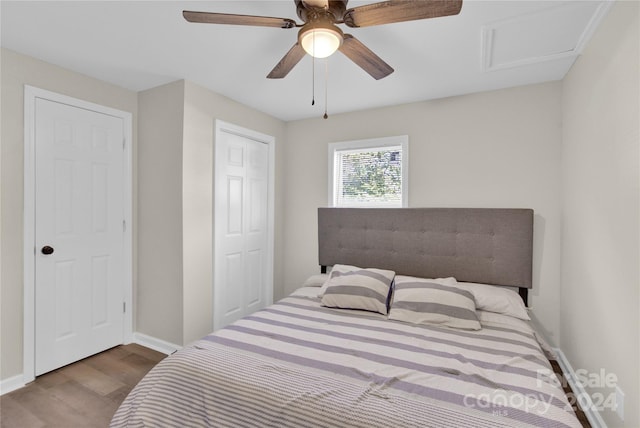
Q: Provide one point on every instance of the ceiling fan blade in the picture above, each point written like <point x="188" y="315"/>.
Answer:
<point x="365" y="58"/>
<point x="226" y="18"/>
<point x="287" y="62"/>
<point x="387" y="12"/>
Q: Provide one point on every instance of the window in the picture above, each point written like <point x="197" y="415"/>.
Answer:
<point x="369" y="173"/>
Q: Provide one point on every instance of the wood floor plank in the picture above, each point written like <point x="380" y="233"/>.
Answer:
<point x="147" y="353"/>
<point x="116" y="368"/>
<point x="119" y="395"/>
<point x="117" y="352"/>
<point x="91" y="378"/>
<point x="46" y="407"/>
<point x="86" y="402"/>
<point x="52" y="379"/>
<point x="15" y="414"/>
<point x="139" y="362"/>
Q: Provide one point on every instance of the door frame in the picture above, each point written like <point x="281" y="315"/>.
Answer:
<point x="270" y="141"/>
<point x="31" y="94"/>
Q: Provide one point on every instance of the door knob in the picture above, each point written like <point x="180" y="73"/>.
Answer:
<point x="47" y="250"/>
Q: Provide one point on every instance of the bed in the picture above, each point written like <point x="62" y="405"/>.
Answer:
<point x="307" y="362"/>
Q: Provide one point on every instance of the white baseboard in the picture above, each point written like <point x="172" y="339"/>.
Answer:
<point x="590" y="410"/>
<point x="155" y="344"/>
<point x="11" y="384"/>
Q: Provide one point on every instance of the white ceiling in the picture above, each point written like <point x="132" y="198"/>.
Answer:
<point x="142" y="44"/>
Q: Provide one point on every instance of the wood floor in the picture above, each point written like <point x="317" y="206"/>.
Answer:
<point x="83" y="395"/>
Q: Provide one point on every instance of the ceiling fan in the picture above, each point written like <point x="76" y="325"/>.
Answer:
<point x="320" y="37"/>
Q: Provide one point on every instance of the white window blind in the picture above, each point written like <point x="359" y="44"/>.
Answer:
<point x="369" y="173"/>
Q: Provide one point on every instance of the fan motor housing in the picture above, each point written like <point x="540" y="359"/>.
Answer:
<point x="335" y="10"/>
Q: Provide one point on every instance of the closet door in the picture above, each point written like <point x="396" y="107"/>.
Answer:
<point x="242" y="251"/>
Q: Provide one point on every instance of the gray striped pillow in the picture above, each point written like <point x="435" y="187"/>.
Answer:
<point x="421" y="302"/>
<point x="349" y="287"/>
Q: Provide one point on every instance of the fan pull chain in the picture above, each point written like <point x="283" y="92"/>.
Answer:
<point x="313" y="73"/>
<point x="313" y="80"/>
<point x="326" y="85"/>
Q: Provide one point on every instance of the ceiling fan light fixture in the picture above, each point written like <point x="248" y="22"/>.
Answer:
<point x="320" y="40"/>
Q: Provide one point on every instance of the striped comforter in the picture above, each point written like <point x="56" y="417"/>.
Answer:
<point x="297" y="364"/>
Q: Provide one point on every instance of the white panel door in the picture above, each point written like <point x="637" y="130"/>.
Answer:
<point x="241" y="265"/>
<point x="79" y="233"/>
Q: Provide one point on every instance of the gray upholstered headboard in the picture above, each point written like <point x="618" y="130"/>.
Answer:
<point x="487" y="245"/>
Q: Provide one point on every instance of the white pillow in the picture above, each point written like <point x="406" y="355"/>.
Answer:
<point x="316" y="280"/>
<point x="493" y="298"/>
<point x="350" y="287"/>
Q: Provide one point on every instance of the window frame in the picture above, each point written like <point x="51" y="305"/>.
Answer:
<point x="375" y="144"/>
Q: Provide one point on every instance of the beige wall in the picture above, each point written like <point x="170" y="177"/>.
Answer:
<point x="493" y="149"/>
<point x="202" y="107"/>
<point x="17" y="71"/>
<point x="176" y="137"/>
<point x="600" y="163"/>
<point x="159" y="298"/>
